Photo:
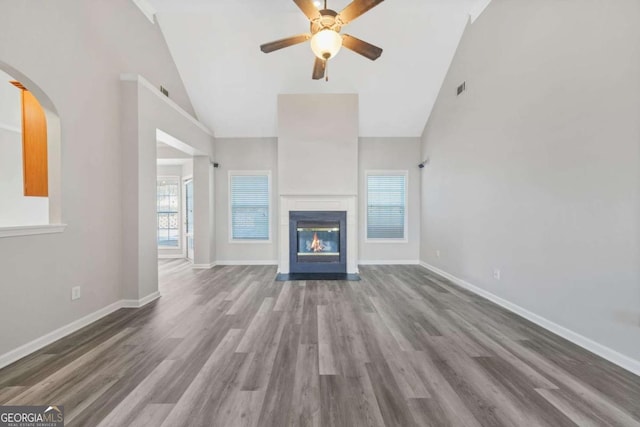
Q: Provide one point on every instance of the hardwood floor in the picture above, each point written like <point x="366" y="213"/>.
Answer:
<point x="403" y="347"/>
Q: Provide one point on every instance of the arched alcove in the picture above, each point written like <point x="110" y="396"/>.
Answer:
<point x="53" y="150"/>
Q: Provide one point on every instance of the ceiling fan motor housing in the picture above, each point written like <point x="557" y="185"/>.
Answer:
<point x="328" y="19"/>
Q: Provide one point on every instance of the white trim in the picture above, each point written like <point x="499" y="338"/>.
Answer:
<point x="53" y="336"/>
<point x="10" y="128"/>
<point x="203" y="266"/>
<point x="185" y="236"/>
<point x="383" y="241"/>
<point x="631" y="365"/>
<point x="319" y="195"/>
<point x="259" y="262"/>
<point x="398" y="172"/>
<point x="251" y="242"/>
<point x="178" y="182"/>
<point x="31" y="230"/>
<point x="232" y="173"/>
<point x="146" y="8"/>
<point x="171" y="256"/>
<point x="132" y="303"/>
<point x="144" y="82"/>
<point x="389" y="262"/>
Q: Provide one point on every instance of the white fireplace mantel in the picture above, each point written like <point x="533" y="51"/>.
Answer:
<point x="346" y="203"/>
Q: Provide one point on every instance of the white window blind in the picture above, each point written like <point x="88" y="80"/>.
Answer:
<point x="386" y="211"/>
<point x="249" y="207"/>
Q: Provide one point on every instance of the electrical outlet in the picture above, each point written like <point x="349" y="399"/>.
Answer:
<point x="438" y="253"/>
<point x="496" y="274"/>
<point x="75" y="293"/>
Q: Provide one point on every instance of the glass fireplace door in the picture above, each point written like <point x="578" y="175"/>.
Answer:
<point x="318" y="241"/>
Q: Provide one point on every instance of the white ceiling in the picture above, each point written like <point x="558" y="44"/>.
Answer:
<point x="234" y="86"/>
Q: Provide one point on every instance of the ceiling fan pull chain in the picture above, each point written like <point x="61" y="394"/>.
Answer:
<point x="326" y="70"/>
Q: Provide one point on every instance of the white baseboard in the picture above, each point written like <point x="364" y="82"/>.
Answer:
<point x="132" y="303"/>
<point x="607" y="353"/>
<point x="265" y="262"/>
<point x="203" y="266"/>
<point x="390" y="262"/>
<point x="35" y="345"/>
<point x="171" y="256"/>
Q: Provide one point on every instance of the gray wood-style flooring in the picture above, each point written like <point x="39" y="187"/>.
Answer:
<point x="403" y="347"/>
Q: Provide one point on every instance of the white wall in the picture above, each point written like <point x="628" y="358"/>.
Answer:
<point x="169" y="170"/>
<point x="535" y="168"/>
<point x="75" y="53"/>
<point x="244" y="154"/>
<point x="204" y="239"/>
<point x="15" y="208"/>
<point x="401" y="154"/>
<point x="187" y="169"/>
<point x="144" y="112"/>
<point x="318" y="144"/>
<point x="164" y="151"/>
<point x="10" y="103"/>
<point x="261" y="154"/>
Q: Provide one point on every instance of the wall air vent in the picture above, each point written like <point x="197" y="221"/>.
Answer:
<point x="462" y="88"/>
<point x="164" y="91"/>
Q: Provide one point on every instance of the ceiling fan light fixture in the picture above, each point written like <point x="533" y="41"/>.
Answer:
<point x="326" y="43"/>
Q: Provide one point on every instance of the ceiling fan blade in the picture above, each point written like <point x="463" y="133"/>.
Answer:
<point x="363" y="48"/>
<point x="308" y="8"/>
<point x="357" y="8"/>
<point x="319" y="68"/>
<point x="282" y="43"/>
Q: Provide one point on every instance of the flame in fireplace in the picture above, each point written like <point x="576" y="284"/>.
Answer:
<point x="316" y="244"/>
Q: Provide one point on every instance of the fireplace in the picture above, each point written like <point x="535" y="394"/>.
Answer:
<point x="317" y="241"/>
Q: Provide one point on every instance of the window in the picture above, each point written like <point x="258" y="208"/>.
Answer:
<point x="249" y="194"/>
<point x="386" y="205"/>
<point x="168" y="208"/>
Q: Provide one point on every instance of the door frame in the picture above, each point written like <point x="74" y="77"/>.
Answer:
<point x="185" y="181"/>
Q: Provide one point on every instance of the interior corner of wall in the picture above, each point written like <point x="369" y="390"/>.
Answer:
<point x="477" y="11"/>
<point x="147" y="9"/>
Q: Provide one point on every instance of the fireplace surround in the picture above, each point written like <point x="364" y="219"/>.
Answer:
<point x="314" y="203"/>
<point x="318" y="241"/>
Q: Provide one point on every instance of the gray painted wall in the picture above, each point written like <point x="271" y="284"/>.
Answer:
<point x="79" y="67"/>
<point x="391" y="154"/>
<point x="244" y="154"/>
<point x="535" y="168"/>
<point x="261" y="154"/>
<point x="318" y="144"/>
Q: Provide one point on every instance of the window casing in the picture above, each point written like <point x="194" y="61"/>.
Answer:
<point x="250" y="206"/>
<point x="386" y="206"/>
<point x="168" y="212"/>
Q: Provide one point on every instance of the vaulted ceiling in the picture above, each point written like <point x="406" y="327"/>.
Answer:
<point x="234" y="86"/>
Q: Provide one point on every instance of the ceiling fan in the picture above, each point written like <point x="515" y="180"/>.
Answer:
<point x="325" y="36"/>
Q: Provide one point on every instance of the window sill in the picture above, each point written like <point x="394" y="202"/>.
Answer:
<point x="259" y="242"/>
<point x="31" y="230"/>
<point x="386" y="240"/>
